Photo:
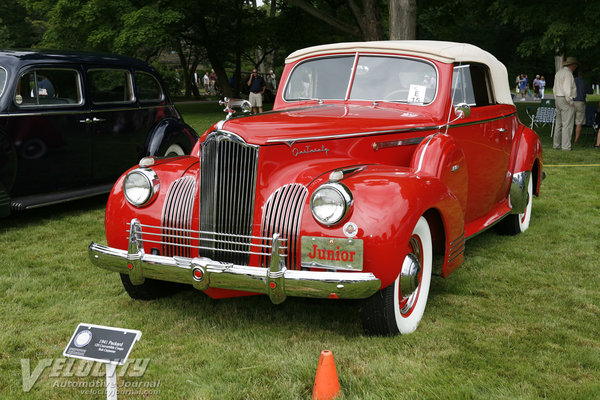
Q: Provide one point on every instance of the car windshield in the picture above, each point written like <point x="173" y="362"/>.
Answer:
<point x="2" y="79"/>
<point x="377" y="78"/>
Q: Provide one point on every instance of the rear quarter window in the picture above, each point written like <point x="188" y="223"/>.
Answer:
<point x="2" y="80"/>
<point x="110" y="86"/>
<point x="147" y="88"/>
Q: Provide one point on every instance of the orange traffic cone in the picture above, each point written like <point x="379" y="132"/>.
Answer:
<point x="326" y="385"/>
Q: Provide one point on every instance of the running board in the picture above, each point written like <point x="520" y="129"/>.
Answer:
<point x="47" y="199"/>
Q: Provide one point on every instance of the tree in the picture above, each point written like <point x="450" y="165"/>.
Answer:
<point x="17" y="27"/>
<point x="562" y="31"/>
<point x="366" y="18"/>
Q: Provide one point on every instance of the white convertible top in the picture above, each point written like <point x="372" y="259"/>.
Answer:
<point x="446" y="52"/>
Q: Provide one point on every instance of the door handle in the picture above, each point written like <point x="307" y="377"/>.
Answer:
<point x="98" y="119"/>
<point x="501" y="130"/>
<point x="86" y="121"/>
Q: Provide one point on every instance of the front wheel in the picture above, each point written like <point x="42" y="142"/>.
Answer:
<point x="399" y="307"/>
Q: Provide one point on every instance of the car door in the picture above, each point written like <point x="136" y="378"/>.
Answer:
<point x="485" y="136"/>
<point x="114" y="118"/>
<point x="47" y="126"/>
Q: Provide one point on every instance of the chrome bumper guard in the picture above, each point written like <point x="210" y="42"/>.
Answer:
<point x="201" y="272"/>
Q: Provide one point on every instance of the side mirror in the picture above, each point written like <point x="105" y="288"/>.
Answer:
<point x="462" y="110"/>
<point x="235" y="105"/>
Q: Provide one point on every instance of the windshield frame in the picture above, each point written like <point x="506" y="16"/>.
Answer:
<point x="352" y="77"/>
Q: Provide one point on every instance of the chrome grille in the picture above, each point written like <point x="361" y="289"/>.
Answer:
<point x="227" y="187"/>
<point x="177" y="214"/>
<point x="193" y="239"/>
<point x="282" y="214"/>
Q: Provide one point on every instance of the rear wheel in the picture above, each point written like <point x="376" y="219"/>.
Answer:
<point x="399" y="307"/>
<point x="149" y="290"/>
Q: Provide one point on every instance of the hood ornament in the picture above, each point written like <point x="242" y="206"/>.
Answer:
<point x="234" y="105"/>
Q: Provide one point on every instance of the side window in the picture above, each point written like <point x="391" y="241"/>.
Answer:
<point x="110" y="86"/>
<point x="49" y="87"/>
<point x="147" y="88"/>
<point x="471" y="84"/>
<point x="2" y="80"/>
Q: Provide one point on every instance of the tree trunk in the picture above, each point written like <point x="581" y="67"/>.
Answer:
<point x="368" y="19"/>
<point x="403" y="19"/>
<point x="558" y="62"/>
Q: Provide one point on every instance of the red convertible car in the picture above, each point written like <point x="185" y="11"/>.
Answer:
<point x="377" y="163"/>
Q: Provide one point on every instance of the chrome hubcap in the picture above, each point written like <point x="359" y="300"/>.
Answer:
<point x="409" y="276"/>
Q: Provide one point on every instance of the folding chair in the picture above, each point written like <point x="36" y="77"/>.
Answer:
<point x="545" y="114"/>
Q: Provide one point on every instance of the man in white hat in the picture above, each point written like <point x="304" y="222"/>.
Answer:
<point x="564" y="93"/>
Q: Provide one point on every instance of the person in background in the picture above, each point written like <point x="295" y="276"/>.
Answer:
<point x="583" y="89"/>
<point x="542" y="86"/>
<point x="271" y="81"/>
<point x="596" y="126"/>
<point x="564" y="93"/>
<point x="523" y="86"/>
<point x="212" y="79"/>
<point x="536" y="87"/>
<point x="257" y="88"/>
<point x="206" y="83"/>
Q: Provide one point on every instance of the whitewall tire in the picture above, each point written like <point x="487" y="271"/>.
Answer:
<point x="390" y="311"/>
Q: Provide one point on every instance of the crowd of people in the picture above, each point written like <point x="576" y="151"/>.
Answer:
<point x="570" y="101"/>
<point x="523" y="88"/>
<point x="256" y="85"/>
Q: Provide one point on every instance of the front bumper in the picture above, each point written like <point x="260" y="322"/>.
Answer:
<point x="201" y="272"/>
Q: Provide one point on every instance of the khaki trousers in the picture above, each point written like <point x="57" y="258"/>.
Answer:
<point x="563" y="127"/>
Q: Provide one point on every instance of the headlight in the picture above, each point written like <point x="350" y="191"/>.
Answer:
<point x="140" y="186"/>
<point x="330" y="203"/>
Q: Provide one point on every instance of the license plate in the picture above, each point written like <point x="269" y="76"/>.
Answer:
<point x="332" y="253"/>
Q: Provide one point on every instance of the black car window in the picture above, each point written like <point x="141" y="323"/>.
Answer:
<point x="2" y="80"/>
<point x="48" y="87"/>
<point x="147" y="88"/>
<point x="110" y="86"/>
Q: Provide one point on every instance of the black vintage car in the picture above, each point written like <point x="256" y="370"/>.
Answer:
<point x="72" y="122"/>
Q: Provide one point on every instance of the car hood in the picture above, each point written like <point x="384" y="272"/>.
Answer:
<point x="327" y="121"/>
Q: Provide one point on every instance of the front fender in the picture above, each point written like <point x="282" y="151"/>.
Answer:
<point x="119" y="211"/>
<point x="387" y="205"/>
<point x="170" y="130"/>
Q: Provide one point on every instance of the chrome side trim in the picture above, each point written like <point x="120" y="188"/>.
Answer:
<point x="78" y="112"/>
<point x="290" y="142"/>
<point x="518" y="192"/>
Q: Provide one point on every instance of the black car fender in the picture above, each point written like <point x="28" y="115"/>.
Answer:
<point x="167" y="132"/>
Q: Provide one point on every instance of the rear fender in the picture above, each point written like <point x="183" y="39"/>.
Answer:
<point x="528" y="157"/>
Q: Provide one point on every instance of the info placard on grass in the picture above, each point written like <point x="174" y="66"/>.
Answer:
<point x="102" y="343"/>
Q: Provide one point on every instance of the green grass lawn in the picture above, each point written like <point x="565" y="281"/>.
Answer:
<point x="519" y="320"/>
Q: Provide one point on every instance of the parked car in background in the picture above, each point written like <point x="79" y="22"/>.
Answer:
<point x="378" y="162"/>
<point x="71" y="122"/>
